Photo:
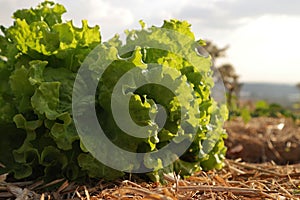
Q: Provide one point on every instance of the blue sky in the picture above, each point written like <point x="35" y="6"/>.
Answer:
<point x="264" y="36"/>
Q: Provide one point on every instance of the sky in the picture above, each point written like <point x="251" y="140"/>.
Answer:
<point x="263" y="36"/>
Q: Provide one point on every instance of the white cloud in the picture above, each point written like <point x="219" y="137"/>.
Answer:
<point x="266" y="49"/>
<point x="229" y="14"/>
<point x="9" y="7"/>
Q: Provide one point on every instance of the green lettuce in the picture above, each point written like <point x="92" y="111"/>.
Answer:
<point x="40" y="56"/>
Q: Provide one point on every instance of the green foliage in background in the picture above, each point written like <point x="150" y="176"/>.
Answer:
<point x="39" y="59"/>
<point x="264" y="109"/>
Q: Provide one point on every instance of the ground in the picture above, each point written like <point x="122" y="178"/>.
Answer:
<point x="261" y="164"/>
<point x="264" y="139"/>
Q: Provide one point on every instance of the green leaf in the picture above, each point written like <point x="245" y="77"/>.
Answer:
<point x="46" y="99"/>
<point x="36" y="72"/>
<point x="19" y="82"/>
<point x="97" y="169"/>
<point x="47" y="11"/>
<point x="54" y="161"/>
<point x="64" y="134"/>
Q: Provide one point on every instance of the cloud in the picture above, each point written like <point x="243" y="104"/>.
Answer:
<point x="266" y="49"/>
<point x="233" y="13"/>
<point x="9" y="7"/>
<point x="245" y="8"/>
<point x="98" y="11"/>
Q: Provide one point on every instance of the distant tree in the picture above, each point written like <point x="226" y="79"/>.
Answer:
<point x="297" y="104"/>
<point x="298" y="85"/>
<point x="214" y="50"/>
<point x="232" y="85"/>
<point x="227" y="72"/>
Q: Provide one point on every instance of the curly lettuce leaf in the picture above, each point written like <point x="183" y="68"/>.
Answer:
<point x="40" y="55"/>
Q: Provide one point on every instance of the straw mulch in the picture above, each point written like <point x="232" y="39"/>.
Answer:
<point x="237" y="180"/>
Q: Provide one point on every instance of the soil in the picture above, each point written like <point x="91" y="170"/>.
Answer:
<point x="264" y="139"/>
